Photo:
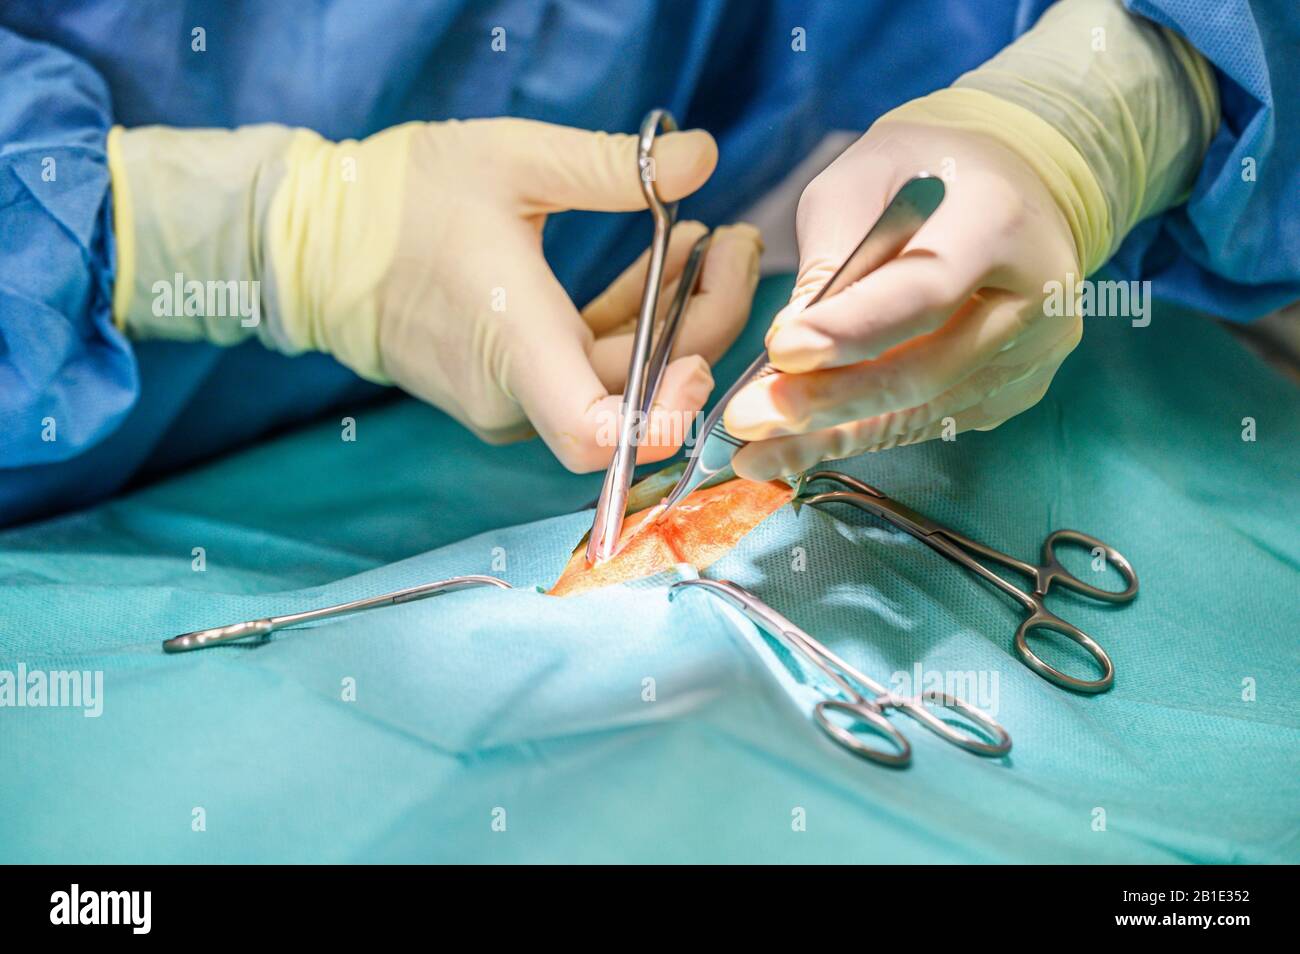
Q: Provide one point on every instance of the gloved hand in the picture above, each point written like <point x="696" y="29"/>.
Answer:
<point x="415" y="257"/>
<point x="1051" y="152"/>
<point x="950" y="329"/>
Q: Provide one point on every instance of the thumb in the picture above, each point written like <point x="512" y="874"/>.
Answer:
<point x="559" y="168"/>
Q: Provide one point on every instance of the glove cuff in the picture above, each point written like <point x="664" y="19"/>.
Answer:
<point x="266" y="230"/>
<point x="123" y="229"/>
<point x="186" y="208"/>
<point x="1052" y="157"/>
<point x="331" y="236"/>
<point x="1135" y="100"/>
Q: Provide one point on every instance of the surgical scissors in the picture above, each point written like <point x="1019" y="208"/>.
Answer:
<point x="645" y="369"/>
<point x="967" y="553"/>
<point x="907" y="211"/>
<point x="260" y="629"/>
<point x="864" y="701"/>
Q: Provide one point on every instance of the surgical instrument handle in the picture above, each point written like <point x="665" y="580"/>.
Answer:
<point x="216" y="635"/>
<point x="608" y="523"/>
<point x="850" y="681"/>
<point x="967" y="553"/>
<point x="663" y="349"/>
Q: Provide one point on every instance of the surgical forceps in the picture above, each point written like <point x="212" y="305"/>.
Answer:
<point x="968" y="553"/>
<point x="907" y="211"/>
<point x="260" y="629"/>
<point x="865" y="701"/>
<point x="645" y="369"/>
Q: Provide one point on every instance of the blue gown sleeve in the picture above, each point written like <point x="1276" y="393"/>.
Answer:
<point x="1233" y="250"/>
<point x="67" y="375"/>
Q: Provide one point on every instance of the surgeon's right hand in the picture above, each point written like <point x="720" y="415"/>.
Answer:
<point x="1053" y="151"/>
<point x="414" y="257"/>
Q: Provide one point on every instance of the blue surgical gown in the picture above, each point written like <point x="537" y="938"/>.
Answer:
<point x="84" y="412"/>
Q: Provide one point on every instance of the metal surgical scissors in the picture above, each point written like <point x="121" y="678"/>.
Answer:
<point x="645" y="369"/>
<point x="863" y="702"/>
<point x="259" y="629"/>
<point x="968" y="553"/>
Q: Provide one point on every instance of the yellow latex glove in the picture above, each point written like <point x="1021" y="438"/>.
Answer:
<point x="1052" y="151"/>
<point x="415" y="257"/>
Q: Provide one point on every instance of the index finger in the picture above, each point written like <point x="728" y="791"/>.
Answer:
<point x="908" y="296"/>
<point x="548" y="370"/>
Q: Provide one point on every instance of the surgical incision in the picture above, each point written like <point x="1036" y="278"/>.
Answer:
<point x="699" y="530"/>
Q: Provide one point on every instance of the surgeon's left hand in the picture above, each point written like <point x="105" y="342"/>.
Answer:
<point x="949" y="334"/>
<point x="414" y="257"/>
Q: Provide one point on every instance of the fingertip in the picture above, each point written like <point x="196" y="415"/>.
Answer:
<point x="686" y="386"/>
<point x="793" y="308"/>
<point x="689" y="231"/>
<point x="796" y="347"/>
<point x="780" y="457"/>
<point x="683" y="162"/>
<point x="736" y="248"/>
<point x="652" y="452"/>
<point x="705" y="149"/>
<point x="692" y="380"/>
<point x="750" y="464"/>
<point x="742" y="233"/>
<point x="751" y="414"/>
